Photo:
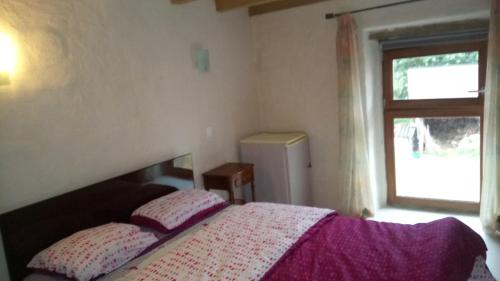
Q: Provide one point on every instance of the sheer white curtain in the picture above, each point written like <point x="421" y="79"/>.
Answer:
<point x="491" y="134"/>
<point x="353" y="173"/>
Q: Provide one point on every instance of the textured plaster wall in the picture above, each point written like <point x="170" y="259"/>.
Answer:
<point x="296" y="65"/>
<point x="106" y="87"/>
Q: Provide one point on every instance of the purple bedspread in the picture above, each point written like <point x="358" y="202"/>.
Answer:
<point x="343" y="248"/>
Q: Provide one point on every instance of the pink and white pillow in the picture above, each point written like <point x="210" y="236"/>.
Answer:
<point x="90" y="253"/>
<point x="176" y="209"/>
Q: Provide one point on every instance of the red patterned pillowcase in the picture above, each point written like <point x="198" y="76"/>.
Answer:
<point x="176" y="209"/>
<point x="90" y="253"/>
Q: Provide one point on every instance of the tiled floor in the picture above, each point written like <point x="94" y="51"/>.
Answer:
<point x="413" y="216"/>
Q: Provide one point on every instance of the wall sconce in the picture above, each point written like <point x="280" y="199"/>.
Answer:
<point x="7" y="59"/>
<point x="203" y="60"/>
<point x="200" y="57"/>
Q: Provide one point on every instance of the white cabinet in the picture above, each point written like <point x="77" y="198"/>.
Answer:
<point x="281" y="167"/>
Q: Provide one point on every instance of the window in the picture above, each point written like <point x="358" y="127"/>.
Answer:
<point x="433" y="107"/>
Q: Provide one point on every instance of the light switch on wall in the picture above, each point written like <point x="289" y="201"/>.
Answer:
<point x="210" y="132"/>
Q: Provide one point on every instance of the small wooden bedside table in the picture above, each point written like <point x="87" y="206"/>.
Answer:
<point x="229" y="176"/>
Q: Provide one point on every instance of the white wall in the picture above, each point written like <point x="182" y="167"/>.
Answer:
<point x="295" y="52"/>
<point x="106" y="87"/>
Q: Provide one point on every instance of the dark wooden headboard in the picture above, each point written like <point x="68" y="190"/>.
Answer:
<point x="28" y="230"/>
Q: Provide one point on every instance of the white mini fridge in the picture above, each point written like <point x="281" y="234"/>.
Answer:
<point x="281" y="167"/>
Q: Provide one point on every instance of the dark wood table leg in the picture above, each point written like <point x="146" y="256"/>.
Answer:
<point x="231" y="196"/>
<point x="253" y="191"/>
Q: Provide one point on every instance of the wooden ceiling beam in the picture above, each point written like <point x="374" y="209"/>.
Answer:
<point x="180" y="1"/>
<point x="279" y="5"/>
<point x="224" y="5"/>
<point x="431" y="29"/>
<point x="255" y="7"/>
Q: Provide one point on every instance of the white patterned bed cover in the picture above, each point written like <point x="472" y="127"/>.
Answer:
<point x="203" y="235"/>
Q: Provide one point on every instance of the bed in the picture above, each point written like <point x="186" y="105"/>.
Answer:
<point x="256" y="241"/>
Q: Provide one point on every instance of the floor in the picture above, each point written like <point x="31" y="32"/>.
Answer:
<point x="406" y="216"/>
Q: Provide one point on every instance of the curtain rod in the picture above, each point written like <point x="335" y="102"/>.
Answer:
<point x="334" y="15"/>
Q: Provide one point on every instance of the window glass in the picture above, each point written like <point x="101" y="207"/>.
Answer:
<point x="438" y="158"/>
<point x="444" y="76"/>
